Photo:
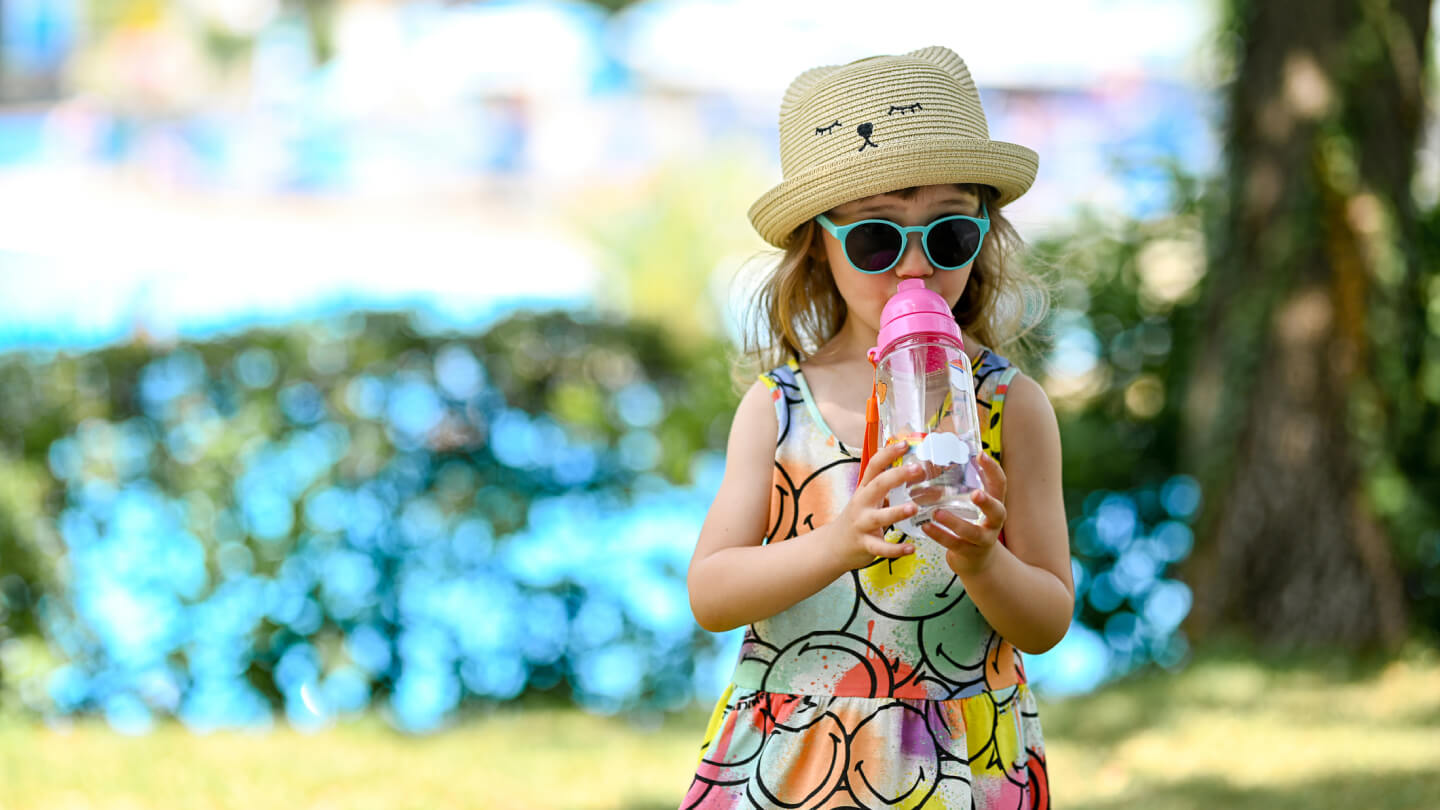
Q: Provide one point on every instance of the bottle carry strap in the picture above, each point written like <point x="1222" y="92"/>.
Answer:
<point x="872" y="423"/>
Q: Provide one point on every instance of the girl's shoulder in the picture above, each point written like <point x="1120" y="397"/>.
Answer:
<point x="1027" y="399"/>
<point x="755" y="418"/>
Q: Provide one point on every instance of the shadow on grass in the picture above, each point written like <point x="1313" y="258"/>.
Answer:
<point x="1229" y="677"/>
<point x="1395" y="791"/>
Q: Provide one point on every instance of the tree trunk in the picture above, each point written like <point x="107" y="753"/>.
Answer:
<point x="1325" y="115"/>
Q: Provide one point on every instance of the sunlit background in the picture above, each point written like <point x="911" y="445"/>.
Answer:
<point x="366" y="355"/>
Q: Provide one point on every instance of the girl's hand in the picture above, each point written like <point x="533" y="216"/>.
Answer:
<point x="862" y="522"/>
<point x="969" y="546"/>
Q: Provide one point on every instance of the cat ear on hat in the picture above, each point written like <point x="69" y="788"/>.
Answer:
<point x="949" y="61"/>
<point x="801" y="86"/>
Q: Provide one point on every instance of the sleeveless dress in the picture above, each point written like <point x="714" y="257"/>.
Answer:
<point x="887" y="688"/>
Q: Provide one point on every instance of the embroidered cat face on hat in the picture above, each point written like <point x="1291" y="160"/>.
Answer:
<point x="880" y="124"/>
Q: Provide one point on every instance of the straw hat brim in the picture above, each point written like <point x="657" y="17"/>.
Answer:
<point x="1010" y="168"/>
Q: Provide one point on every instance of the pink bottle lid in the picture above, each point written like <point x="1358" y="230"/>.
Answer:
<point x="914" y="310"/>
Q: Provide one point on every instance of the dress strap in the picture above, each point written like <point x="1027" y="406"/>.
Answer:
<point x="993" y="374"/>
<point x="991" y="434"/>
<point x="785" y="393"/>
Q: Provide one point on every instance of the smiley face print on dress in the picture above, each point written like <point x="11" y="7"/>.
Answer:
<point x="914" y="587"/>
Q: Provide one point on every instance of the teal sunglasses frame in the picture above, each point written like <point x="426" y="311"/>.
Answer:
<point x="842" y="231"/>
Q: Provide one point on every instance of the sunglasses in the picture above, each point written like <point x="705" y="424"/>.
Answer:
<point x="875" y="245"/>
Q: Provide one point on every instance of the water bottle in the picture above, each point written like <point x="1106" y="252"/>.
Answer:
<point x="924" y="396"/>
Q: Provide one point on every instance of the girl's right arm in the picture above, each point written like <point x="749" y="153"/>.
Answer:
<point x="734" y="579"/>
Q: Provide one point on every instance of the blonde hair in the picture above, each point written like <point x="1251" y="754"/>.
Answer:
<point x="798" y="308"/>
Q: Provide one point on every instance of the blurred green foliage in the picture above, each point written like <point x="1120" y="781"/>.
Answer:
<point x="1399" y="421"/>
<point x="613" y="6"/>
<point x="1119" y="334"/>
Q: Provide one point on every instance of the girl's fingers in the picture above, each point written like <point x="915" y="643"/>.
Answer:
<point x="992" y="509"/>
<point x="958" y="527"/>
<point x="874" y="520"/>
<point x="941" y="535"/>
<point x="884" y="482"/>
<point x="880" y="548"/>
<point x="993" y="475"/>
<point x="883" y="458"/>
<point x="894" y="514"/>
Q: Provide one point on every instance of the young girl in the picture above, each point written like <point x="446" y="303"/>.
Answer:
<point x="880" y="670"/>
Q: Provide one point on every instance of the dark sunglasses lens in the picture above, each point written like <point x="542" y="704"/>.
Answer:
<point x="954" y="242"/>
<point x="873" y="247"/>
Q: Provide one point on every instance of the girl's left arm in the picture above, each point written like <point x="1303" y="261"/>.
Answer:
<point x="1023" y="587"/>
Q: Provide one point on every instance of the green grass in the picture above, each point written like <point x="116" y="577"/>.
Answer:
<point x="1227" y="732"/>
<point x="1230" y="732"/>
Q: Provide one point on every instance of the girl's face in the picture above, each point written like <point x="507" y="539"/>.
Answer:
<point x="865" y="294"/>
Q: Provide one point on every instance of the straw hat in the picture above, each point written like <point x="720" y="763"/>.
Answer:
<point x="882" y="124"/>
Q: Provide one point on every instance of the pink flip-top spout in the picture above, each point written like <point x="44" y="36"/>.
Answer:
<point x="914" y="310"/>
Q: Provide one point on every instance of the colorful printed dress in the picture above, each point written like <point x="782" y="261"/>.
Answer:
<point x="886" y="689"/>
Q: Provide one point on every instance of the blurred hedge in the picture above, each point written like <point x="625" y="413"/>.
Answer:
<point x="309" y="517"/>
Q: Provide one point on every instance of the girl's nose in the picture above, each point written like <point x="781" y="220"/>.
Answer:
<point x="913" y="261"/>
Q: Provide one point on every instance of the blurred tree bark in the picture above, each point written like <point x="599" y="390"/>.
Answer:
<point x="1325" y="112"/>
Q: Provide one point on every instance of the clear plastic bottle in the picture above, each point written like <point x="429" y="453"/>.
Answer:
<point x="925" y="397"/>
